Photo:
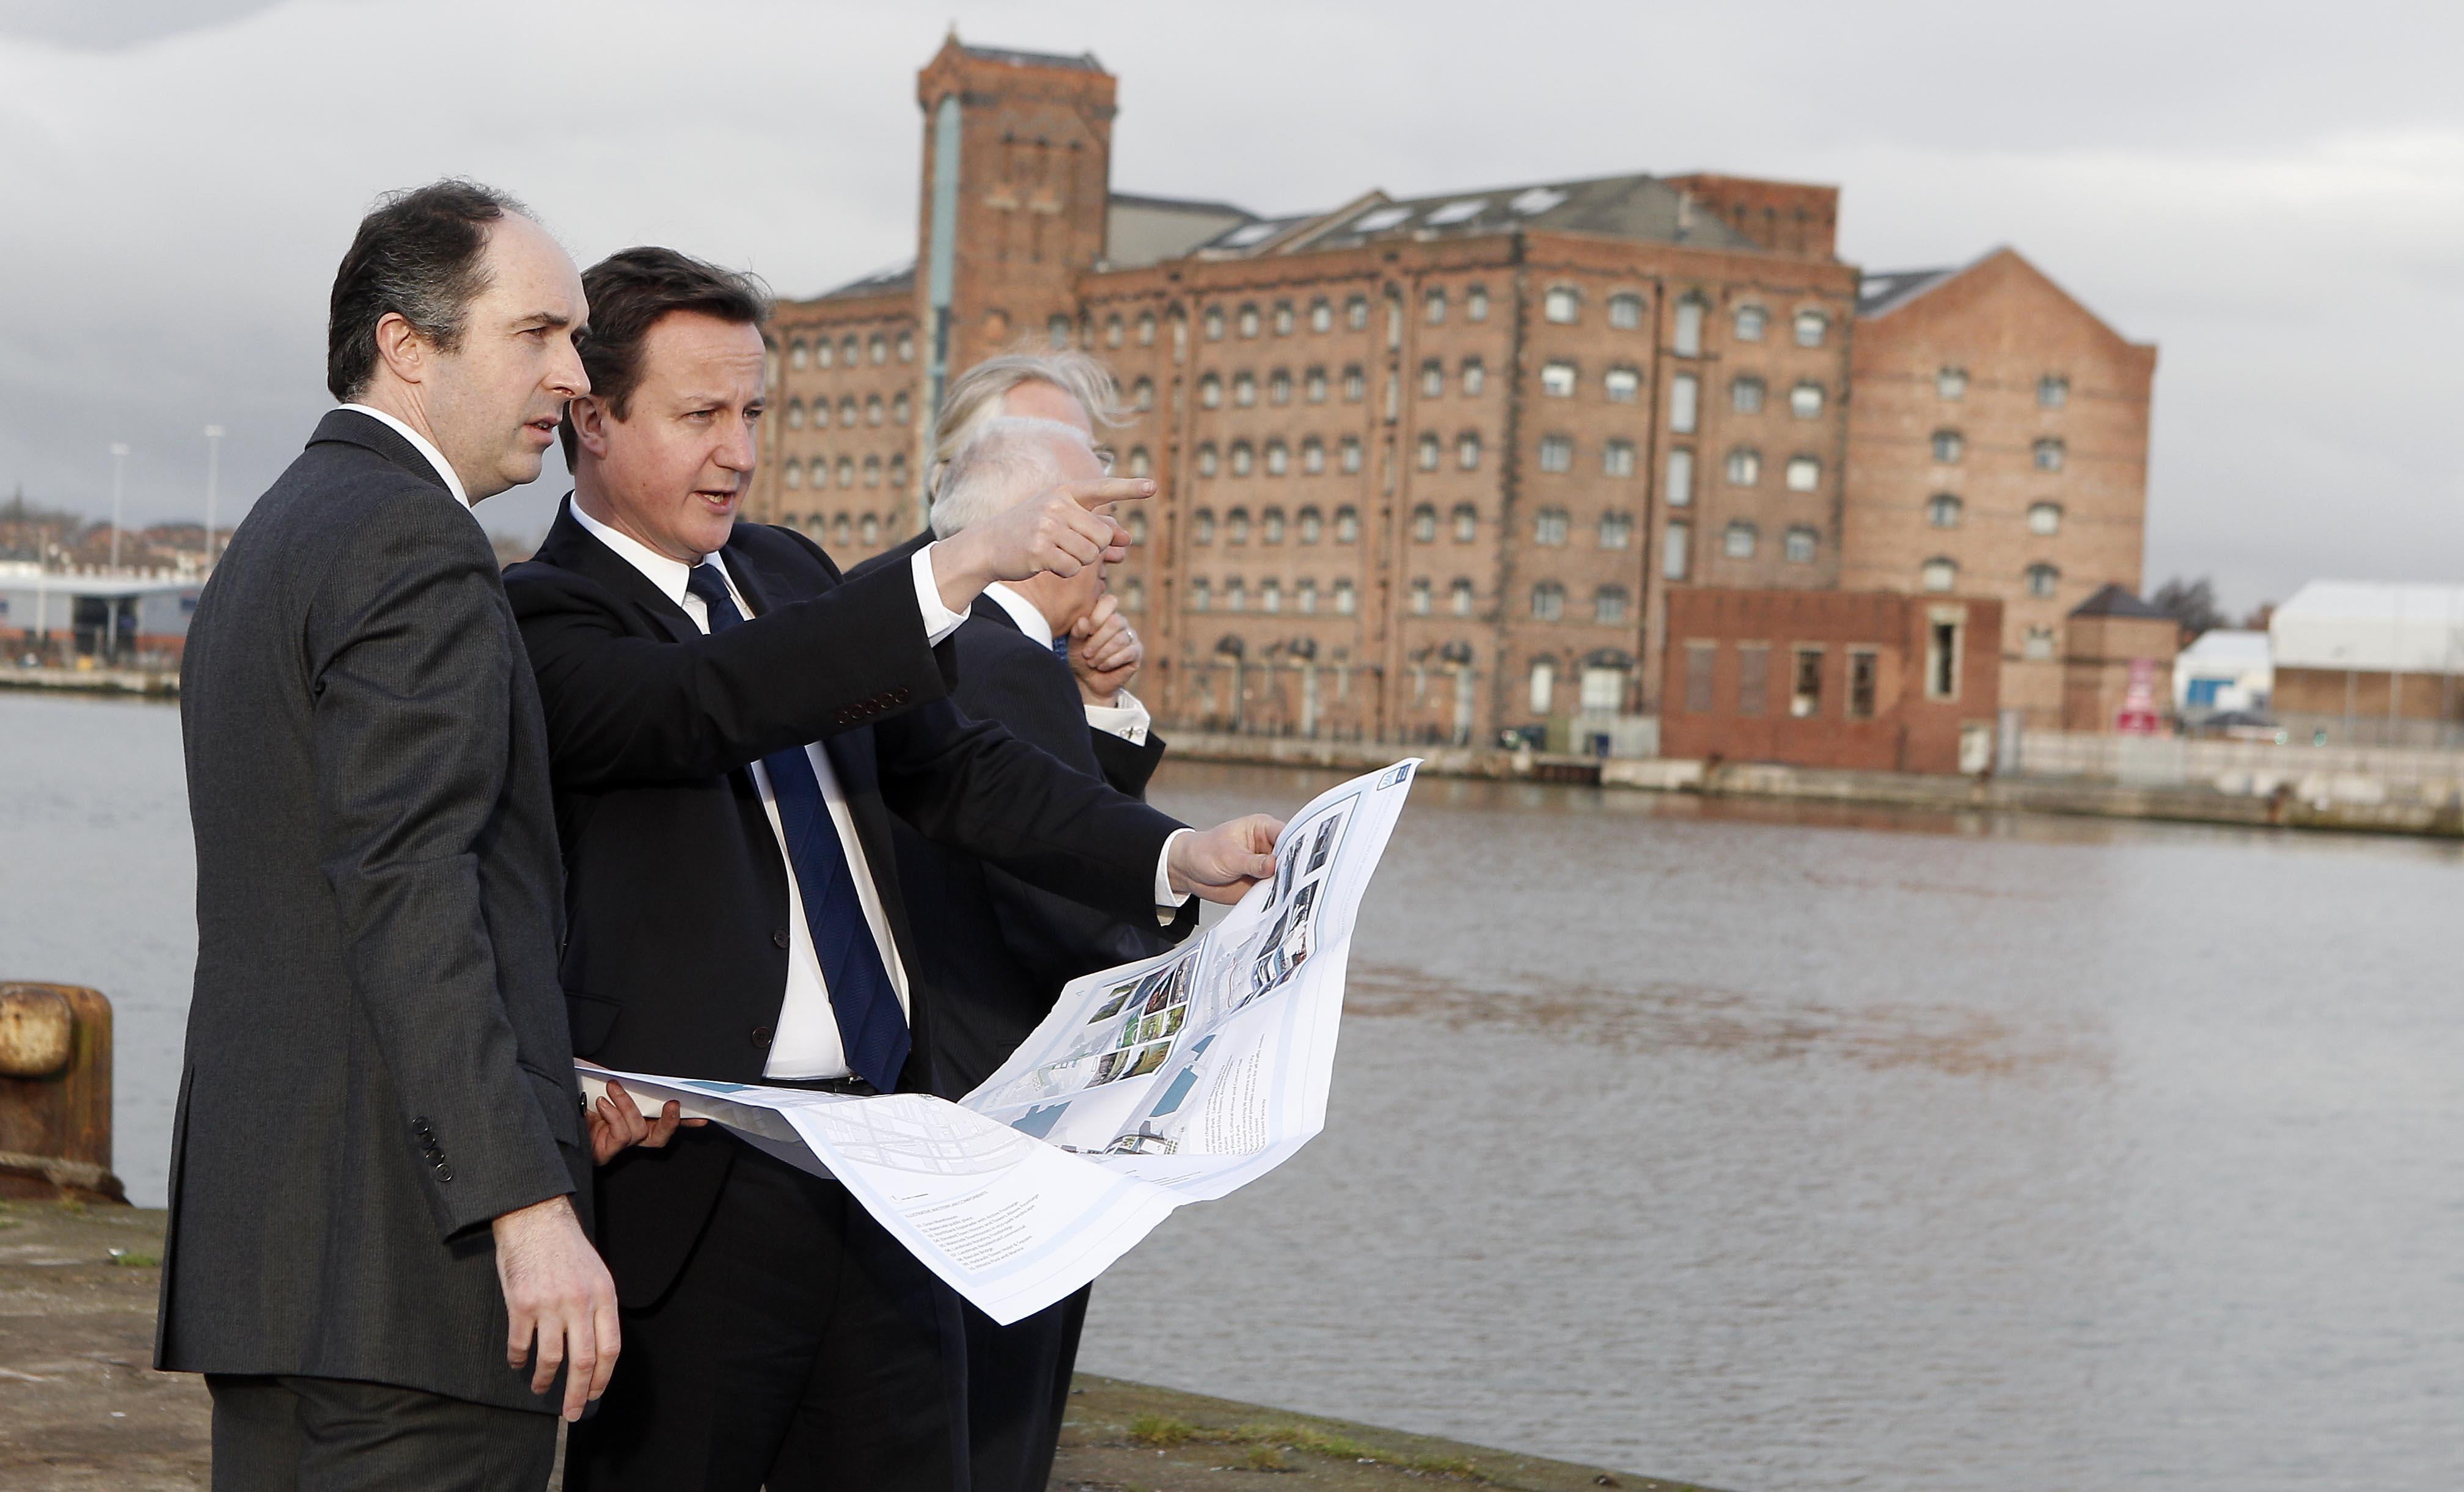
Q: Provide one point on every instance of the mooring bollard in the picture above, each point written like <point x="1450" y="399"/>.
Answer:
<point x="55" y="1094"/>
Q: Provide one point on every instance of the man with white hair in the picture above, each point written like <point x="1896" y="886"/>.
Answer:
<point x="1003" y="948"/>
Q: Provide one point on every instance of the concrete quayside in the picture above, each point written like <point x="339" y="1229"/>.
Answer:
<point x="81" y="1410"/>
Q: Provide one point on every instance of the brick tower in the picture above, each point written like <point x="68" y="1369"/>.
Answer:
<point x="1018" y="164"/>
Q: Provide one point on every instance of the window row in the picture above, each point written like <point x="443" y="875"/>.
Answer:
<point x="1805" y="676"/>
<point x="816" y="472"/>
<point x="850" y="413"/>
<point x="1946" y="510"/>
<point x="1279" y="386"/>
<point x="852" y="350"/>
<point x="1242" y="457"/>
<point x="1951" y="447"/>
<point x="1800" y="544"/>
<point x="1602" y="688"/>
<point x="840" y="530"/>
<point x="1747" y="394"/>
<point x="2053" y="390"/>
<point x="1549" y="526"/>
<point x="1251" y="320"/>
<point x="1941" y="573"/>
<point x="1744" y="469"/>
<point x="1809" y="327"/>
<point x="1308" y="526"/>
<point x="1610" y="603"/>
<point x="1232" y="594"/>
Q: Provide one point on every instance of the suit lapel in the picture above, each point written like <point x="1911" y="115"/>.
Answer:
<point x="572" y="547"/>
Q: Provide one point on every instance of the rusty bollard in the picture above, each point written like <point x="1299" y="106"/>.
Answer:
<point x="55" y="1094"/>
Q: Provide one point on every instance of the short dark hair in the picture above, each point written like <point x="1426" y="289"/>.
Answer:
<point x="629" y="291"/>
<point x="422" y="255"/>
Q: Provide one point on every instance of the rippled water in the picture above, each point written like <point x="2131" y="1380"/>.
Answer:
<point x="1777" y="1148"/>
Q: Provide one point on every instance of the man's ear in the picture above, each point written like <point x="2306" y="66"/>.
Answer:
<point x="590" y="423"/>
<point x="403" y="350"/>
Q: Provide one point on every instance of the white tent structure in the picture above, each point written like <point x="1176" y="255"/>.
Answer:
<point x="2371" y="626"/>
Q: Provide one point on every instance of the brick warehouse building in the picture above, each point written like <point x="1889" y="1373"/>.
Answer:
<point x="1429" y="467"/>
<point x="1997" y="446"/>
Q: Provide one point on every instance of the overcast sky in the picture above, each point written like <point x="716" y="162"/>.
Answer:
<point x="2273" y="193"/>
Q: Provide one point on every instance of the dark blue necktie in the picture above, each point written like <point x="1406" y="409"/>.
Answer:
<point x="871" y="1026"/>
<point x="1060" y="648"/>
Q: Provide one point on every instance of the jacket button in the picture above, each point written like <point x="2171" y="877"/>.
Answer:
<point x="899" y="697"/>
<point x="443" y="1171"/>
<point x="779" y="938"/>
<point x="762" y="1035"/>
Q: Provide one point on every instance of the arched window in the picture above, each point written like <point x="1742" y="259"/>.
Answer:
<point x="899" y="408"/>
<point x="1745" y="395"/>
<point x="1476" y="303"/>
<point x="1949" y="382"/>
<point x="795" y="414"/>
<point x="873" y="471"/>
<point x="1250" y="320"/>
<point x="1279" y="386"/>
<point x="1549" y="526"/>
<point x="898" y="471"/>
<point x="1136" y="525"/>
<point x="1467" y="451"/>
<point x="872" y="410"/>
<point x="1356" y="313"/>
<point x="792" y="476"/>
<point x="2045" y="517"/>
<point x="1243" y="458"/>
<point x="1622" y="386"/>
<point x="1617" y="530"/>
<point x="2053" y="391"/>
<point x="1347" y="526"/>
<point x="842" y="531"/>
<point x="1459" y="597"/>
<point x="1202" y="526"/>
<point x="1270" y="595"/>
<point x="1355" y="385"/>
<point x="1312" y="457"/>
<point x="1140" y="463"/>
<point x="1944" y="510"/>
<point x="1812" y="326"/>
<point x="1557" y="380"/>
<point x="1213" y="323"/>
<point x="1350" y="453"/>
<point x="1434" y="305"/>
<point x="852" y="350"/>
<point x="1313" y="526"/>
<point x="1313" y="385"/>
<point x="1750" y="320"/>
<point x="1800" y="544"/>
<point x="825" y="353"/>
<point x="1210" y="393"/>
<point x="847" y="471"/>
<point x="1321" y="315"/>
<point x="1625" y="312"/>
<point x="847" y="414"/>
<point x="1279" y="458"/>
<point x="907" y="346"/>
<point x="1616" y="458"/>
<point x="1949" y="445"/>
<point x="1113" y="330"/>
<point x="1244" y="388"/>
<point x="1236" y="526"/>
<point x="1270" y="526"/>
<point x="1563" y="304"/>
<point x="1466" y="522"/>
<point x="1201" y="595"/>
<point x="1556" y="453"/>
<point x="1346" y="598"/>
<point x="1608" y="606"/>
<point x="1282" y="318"/>
<point x="2043" y="580"/>
<point x="2048" y="454"/>
<point x="1133" y="595"/>
<point x="1805" y="400"/>
<point x="879" y="347"/>
<point x="868" y="530"/>
<point x="1206" y="459"/>
<point x="1424" y="524"/>
<point x="1744" y="466"/>
<point x="1739" y="539"/>
<point x="1548" y="601"/>
<point x="1419" y="596"/>
<point x="1804" y="474"/>
<point x="797" y="354"/>
<point x="1475" y="377"/>
<point x="1433" y="379"/>
<point x="1544" y="685"/>
<point x="1428" y="448"/>
<point x="1146" y="328"/>
<point x="1142" y="394"/>
<point x="1305" y="597"/>
<point x="1939" y="573"/>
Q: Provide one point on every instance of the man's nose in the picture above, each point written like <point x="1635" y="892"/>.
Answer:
<point x="738" y="452"/>
<point x="568" y="379"/>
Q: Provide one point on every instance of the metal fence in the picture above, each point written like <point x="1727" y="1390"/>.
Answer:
<point x="2256" y="768"/>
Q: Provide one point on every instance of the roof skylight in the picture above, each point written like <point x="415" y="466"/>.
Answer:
<point x="1457" y="212"/>
<point x="1536" y="200"/>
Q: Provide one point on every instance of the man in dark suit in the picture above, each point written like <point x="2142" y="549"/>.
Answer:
<point x="731" y="727"/>
<point x="1008" y="945"/>
<point x="380" y="1143"/>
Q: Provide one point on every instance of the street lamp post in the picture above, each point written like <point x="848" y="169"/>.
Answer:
<point x="213" y="471"/>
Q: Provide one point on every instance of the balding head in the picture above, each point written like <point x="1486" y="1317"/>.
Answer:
<point x="1008" y="460"/>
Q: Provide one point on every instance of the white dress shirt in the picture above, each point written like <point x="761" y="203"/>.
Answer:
<point x="418" y="443"/>
<point x="805" y="1043"/>
<point x="1129" y="719"/>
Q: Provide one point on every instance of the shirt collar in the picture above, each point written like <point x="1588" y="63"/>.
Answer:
<point x="668" y="575"/>
<point x="1021" y="611"/>
<point x="418" y="442"/>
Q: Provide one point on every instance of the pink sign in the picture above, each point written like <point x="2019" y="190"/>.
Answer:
<point x="2138" y="714"/>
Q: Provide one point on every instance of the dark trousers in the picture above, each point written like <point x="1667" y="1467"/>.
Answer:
<point x="1018" y="1392"/>
<point x="332" y="1435"/>
<point x="800" y="1348"/>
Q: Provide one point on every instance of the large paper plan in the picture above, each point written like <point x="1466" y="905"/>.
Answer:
<point x="1172" y="1080"/>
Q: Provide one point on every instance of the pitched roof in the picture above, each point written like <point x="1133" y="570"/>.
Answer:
<point x="1887" y="290"/>
<point x="1616" y="207"/>
<point x="1083" y="62"/>
<point x="1135" y="199"/>
<point x="2114" y="602"/>
<point x="897" y="279"/>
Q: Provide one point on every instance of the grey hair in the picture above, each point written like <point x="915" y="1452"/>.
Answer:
<point x="975" y="396"/>
<point x="1010" y="459"/>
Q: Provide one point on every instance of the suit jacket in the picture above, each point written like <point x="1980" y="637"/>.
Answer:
<point x="675" y="889"/>
<point x="377" y="1060"/>
<point x="1009" y="944"/>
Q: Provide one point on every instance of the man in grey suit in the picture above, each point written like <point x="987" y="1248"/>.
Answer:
<point x="375" y="1256"/>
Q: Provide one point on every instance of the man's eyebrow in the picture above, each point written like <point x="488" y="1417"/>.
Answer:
<point x="546" y="318"/>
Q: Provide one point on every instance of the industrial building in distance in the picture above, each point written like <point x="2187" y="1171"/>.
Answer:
<point x="1433" y="467"/>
